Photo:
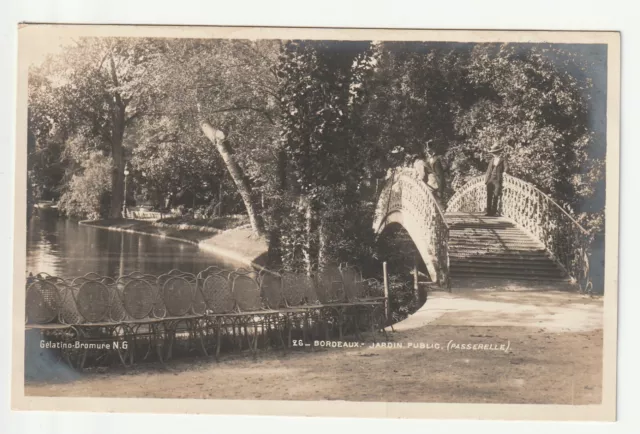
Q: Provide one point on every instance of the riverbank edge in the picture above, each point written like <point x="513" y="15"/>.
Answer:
<point x="209" y="245"/>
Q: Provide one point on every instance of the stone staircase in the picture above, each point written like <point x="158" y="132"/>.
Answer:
<point x="495" y="248"/>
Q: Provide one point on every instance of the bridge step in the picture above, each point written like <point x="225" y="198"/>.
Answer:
<point x="506" y="273"/>
<point x="491" y="256"/>
<point x="515" y="272"/>
<point x="459" y="231"/>
<point x="537" y="263"/>
<point x="530" y="280"/>
<point x="513" y="232"/>
<point x="499" y="257"/>
<point x="484" y="231"/>
<point x="495" y="222"/>
<point x="495" y="248"/>
<point x="502" y="246"/>
<point x="506" y="233"/>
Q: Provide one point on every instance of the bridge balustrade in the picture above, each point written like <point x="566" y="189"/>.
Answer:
<point x="407" y="200"/>
<point x="539" y="215"/>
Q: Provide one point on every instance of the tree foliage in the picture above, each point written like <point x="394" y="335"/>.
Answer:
<point x="88" y="195"/>
<point x="322" y="89"/>
<point x="170" y="161"/>
<point x="537" y="111"/>
<point x="94" y="91"/>
<point x="300" y="130"/>
<point x="467" y="97"/>
<point x="226" y="88"/>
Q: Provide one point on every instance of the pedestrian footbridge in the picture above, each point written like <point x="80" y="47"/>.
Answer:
<point x="533" y="239"/>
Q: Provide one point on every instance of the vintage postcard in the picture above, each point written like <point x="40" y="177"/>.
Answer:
<point x="321" y="222"/>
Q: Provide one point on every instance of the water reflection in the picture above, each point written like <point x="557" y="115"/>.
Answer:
<point x="61" y="247"/>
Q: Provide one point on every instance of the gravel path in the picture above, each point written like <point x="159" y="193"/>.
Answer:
<point x="473" y="347"/>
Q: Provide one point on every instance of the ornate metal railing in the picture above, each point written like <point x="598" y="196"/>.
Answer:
<point x="138" y="314"/>
<point x="535" y="212"/>
<point x="405" y="194"/>
<point x="96" y="299"/>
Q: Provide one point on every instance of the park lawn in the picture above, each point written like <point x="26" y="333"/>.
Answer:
<point x="148" y="227"/>
<point x="221" y="223"/>
<point x="237" y="242"/>
<point x="184" y="228"/>
<point x="540" y="368"/>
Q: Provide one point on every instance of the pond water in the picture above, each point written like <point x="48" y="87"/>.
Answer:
<point x="62" y="247"/>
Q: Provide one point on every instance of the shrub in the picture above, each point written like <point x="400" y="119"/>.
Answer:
<point x="402" y="301"/>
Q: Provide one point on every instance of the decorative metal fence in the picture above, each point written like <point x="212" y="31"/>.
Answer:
<point x="140" y="314"/>
<point x="563" y="237"/>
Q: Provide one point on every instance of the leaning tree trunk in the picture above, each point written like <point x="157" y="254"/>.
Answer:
<point x="241" y="181"/>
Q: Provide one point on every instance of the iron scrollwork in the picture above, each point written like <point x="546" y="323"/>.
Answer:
<point x="405" y="193"/>
<point x="535" y="212"/>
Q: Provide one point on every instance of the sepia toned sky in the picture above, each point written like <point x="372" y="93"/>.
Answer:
<point x="38" y="51"/>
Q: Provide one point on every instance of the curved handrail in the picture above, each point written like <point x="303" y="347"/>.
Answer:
<point x="404" y="191"/>
<point x="463" y="201"/>
<point x="562" y="236"/>
<point x="415" y="176"/>
<point x="475" y="179"/>
<point x="550" y="200"/>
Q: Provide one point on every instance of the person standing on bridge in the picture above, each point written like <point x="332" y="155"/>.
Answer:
<point x="493" y="179"/>
<point x="435" y="174"/>
<point x="432" y="173"/>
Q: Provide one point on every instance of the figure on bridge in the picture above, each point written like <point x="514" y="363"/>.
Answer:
<point x="493" y="179"/>
<point x="432" y="173"/>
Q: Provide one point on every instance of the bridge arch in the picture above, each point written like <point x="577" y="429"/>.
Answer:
<point x="407" y="201"/>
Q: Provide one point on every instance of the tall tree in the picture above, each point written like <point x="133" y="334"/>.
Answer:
<point x="47" y="137"/>
<point x="321" y="90"/>
<point x="101" y="85"/>
<point x="226" y="89"/>
<point x="172" y="159"/>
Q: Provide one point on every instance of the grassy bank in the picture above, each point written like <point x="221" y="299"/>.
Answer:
<point x="232" y="239"/>
<point x="215" y="224"/>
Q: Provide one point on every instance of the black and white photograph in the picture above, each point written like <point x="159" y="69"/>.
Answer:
<point x="321" y="218"/>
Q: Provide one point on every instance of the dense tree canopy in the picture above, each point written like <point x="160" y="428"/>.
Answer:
<point x="225" y="89"/>
<point x="467" y="97"/>
<point x="169" y="162"/>
<point x="321" y="93"/>
<point x="88" y="193"/>
<point x="94" y="91"/>
<point x="297" y="132"/>
<point x="536" y="111"/>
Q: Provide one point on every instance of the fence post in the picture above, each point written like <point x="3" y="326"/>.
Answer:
<point x="387" y="305"/>
<point x="416" y="286"/>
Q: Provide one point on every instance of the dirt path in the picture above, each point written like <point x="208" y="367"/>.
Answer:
<point x="551" y="310"/>
<point x="554" y="356"/>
